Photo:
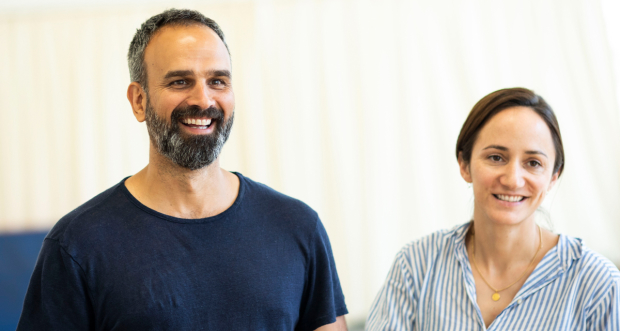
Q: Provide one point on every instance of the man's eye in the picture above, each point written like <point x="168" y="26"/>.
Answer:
<point x="179" y="82"/>
<point x="219" y="83"/>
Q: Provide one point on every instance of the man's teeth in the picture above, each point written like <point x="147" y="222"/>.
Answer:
<point x="195" y="121"/>
<point x="510" y="198"/>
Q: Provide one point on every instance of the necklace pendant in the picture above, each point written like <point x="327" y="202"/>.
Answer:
<point x="495" y="296"/>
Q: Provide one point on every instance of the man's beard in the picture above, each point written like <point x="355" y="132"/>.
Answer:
<point x="188" y="151"/>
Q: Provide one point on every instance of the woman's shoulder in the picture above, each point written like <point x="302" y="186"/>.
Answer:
<point x="594" y="263"/>
<point x="434" y="244"/>
<point x="597" y="274"/>
<point x="574" y="252"/>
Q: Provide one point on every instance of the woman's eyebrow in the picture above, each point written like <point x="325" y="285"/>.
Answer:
<point x="501" y="148"/>
<point x="536" y="153"/>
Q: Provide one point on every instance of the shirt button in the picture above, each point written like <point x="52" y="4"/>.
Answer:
<point x="520" y="301"/>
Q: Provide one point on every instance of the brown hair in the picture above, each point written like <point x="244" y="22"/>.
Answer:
<point x="499" y="100"/>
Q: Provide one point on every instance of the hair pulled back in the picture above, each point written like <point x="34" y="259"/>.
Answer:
<point x="499" y="100"/>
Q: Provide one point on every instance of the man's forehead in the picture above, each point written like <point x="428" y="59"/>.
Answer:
<point x="190" y="27"/>
<point x="186" y="43"/>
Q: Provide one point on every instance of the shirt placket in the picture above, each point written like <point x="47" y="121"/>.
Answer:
<point x="468" y="277"/>
<point x="535" y="282"/>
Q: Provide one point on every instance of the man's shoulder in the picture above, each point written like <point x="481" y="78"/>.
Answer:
<point x="261" y="196"/>
<point x="261" y="203"/>
<point x="89" y="213"/>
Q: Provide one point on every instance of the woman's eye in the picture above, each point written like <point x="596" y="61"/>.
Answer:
<point x="495" y="158"/>
<point x="534" y="163"/>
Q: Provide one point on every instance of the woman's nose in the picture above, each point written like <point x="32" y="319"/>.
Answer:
<point x="512" y="178"/>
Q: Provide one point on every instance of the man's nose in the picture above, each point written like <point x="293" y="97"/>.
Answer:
<point x="201" y="96"/>
<point x="513" y="176"/>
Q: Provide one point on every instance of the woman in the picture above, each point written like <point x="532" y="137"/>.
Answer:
<point x="502" y="271"/>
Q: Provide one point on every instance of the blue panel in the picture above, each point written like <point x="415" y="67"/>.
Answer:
<point x="18" y="254"/>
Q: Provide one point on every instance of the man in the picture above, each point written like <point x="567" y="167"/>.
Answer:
<point x="184" y="244"/>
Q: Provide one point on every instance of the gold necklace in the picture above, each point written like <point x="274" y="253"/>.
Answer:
<point x="496" y="296"/>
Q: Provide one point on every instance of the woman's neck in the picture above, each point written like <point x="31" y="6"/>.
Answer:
<point x="500" y="247"/>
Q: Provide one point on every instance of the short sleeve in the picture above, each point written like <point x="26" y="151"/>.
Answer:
<point x="394" y="306"/>
<point x="323" y="299"/>
<point x="57" y="297"/>
<point x="606" y="314"/>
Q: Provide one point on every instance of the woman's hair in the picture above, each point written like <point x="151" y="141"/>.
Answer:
<point x="499" y="100"/>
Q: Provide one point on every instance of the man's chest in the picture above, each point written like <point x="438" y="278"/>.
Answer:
<point x="188" y="284"/>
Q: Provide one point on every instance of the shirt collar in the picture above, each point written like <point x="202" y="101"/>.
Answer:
<point x="459" y="232"/>
<point x="567" y="250"/>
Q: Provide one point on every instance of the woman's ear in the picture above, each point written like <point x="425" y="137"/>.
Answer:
<point x="554" y="179"/>
<point x="464" y="167"/>
<point x="137" y="99"/>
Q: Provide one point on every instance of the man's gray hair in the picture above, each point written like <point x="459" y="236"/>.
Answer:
<point x="182" y="17"/>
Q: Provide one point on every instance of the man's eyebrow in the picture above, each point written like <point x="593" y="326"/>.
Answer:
<point x="179" y="73"/>
<point x="220" y="73"/>
<point x="185" y="73"/>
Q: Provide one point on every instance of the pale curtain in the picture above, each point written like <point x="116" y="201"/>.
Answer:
<point x="351" y="106"/>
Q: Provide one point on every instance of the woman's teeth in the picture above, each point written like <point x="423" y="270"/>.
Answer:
<point x="509" y="198"/>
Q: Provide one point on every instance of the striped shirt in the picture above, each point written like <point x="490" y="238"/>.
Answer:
<point x="431" y="287"/>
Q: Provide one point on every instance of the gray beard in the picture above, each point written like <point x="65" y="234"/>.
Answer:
<point x="188" y="151"/>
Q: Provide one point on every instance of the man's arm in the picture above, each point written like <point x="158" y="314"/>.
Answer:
<point x="339" y="325"/>
<point x="57" y="297"/>
<point x="323" y="300"/>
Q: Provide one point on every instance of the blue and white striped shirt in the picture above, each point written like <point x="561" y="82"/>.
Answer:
<point x="431" y="287"/>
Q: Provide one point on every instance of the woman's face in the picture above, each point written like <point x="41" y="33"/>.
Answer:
<point x="511" y="166"/>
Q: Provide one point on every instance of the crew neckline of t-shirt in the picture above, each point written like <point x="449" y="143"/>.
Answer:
<point x="169" y="218"/>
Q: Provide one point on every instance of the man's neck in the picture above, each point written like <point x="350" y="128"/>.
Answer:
<point x="179" y="192"/>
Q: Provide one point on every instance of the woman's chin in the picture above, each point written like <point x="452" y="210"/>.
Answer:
<point x="509" y="218"/>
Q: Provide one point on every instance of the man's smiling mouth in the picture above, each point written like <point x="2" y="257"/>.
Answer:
<point x="509" y="198"/>
<point x="198" y="123"/>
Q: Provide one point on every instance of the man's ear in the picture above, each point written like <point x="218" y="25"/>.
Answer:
<point x="464" y="167"/>
<point x="137" y="98"/>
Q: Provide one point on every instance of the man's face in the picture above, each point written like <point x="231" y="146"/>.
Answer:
<point x="190" y="101"/>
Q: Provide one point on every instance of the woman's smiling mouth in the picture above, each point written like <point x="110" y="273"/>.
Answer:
<point x="509" y="198"/>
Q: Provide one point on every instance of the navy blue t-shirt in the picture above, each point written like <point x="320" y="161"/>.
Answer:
<point x="114" y="264"/>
